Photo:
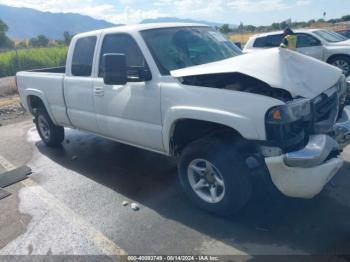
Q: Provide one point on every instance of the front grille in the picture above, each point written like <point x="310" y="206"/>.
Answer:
<point x="326" y="108"/>
<point x="345" y="99"/>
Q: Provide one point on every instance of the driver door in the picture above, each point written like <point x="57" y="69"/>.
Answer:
<point x="128" y="113"/>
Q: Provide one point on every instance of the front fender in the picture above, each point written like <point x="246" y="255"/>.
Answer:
<point x="239" y="123"/>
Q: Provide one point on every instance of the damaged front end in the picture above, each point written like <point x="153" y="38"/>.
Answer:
<point x="304" y="171"/>
<point x="289" y="126"/>
<point x="306" y="134"/>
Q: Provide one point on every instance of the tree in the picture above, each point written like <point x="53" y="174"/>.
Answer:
<point x="33" y="42"/>
<point x="5" y="41"/>
<point x="67" y="38"/>
<point x="39" y="41"/>
<point x="250" y="28"/>
<point x="275" y="26"/>
<point x="345" y="18"/>
<point x="225" y="29"/>
<point x="22" y="44"/>
<point x="3" y="27"/>
<point x="43" y="40"/>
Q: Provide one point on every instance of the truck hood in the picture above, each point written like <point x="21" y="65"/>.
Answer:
<point x="280" y="68"/>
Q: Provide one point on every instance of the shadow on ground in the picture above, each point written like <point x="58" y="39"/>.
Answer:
<point x="318" y="226"/>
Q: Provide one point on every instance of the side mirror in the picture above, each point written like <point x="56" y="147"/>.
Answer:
<point x="114" y="69"/>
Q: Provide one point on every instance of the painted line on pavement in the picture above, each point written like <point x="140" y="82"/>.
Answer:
<point x="102" y="242"/>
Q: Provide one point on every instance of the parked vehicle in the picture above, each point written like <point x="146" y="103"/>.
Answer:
<point x="184" y="90"/>
<point x="345" y="32"/>
<point x="324" y="45"/>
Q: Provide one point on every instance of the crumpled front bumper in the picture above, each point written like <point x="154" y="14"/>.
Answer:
<point x="304" y="173"/>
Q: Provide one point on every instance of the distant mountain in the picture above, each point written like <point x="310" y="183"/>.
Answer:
<point x="25" y="23"/>
<point x="175" y="19"/>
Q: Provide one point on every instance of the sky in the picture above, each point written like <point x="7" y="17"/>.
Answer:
<point x="256" y="12"/>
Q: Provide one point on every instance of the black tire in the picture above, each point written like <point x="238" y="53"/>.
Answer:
<point x="55" y="135"/>
<point x="341" y="60"/>
<point x="232" y="168"/>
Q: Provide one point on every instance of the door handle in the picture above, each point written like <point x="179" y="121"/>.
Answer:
<point x="98" y="91"/>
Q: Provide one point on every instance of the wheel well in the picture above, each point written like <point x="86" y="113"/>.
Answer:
<point x="189" y="130"/>
<point x="34" y="102"/>
<point x="337" y="55"/>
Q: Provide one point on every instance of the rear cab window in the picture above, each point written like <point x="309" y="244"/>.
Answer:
<point x="83" y="56"/>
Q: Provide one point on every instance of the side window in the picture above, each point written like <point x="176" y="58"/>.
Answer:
<point x="274" y="40"/>
<point x="122" y="44"/>
<point x="305" y="40"/>
<point x="83" y="56"/>
<point x="260" y="42"/>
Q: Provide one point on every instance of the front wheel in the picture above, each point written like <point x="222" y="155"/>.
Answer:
<point x="50" y="134"/>
<point x="214" y="176"/>
<point x="343" y="63"/>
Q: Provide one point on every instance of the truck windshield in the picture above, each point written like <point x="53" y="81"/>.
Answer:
<point x="180" y="47"/>
<point x="331" y="37"/>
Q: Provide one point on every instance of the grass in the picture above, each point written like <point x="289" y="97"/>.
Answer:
<point x="33" y="58"/>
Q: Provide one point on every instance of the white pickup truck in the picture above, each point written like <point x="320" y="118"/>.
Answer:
<point x="184" y="90"/>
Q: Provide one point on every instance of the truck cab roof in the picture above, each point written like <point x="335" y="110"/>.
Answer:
<point x="139" y="27"/>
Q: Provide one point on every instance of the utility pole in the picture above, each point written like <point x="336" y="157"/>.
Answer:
<point x="17" y="59"/>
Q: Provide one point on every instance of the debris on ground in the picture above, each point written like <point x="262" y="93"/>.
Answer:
<point x="125" y="203"/>
<point x="11" y="110"/>
<point x="74" y="157"/>
<point x="135" y="206"/>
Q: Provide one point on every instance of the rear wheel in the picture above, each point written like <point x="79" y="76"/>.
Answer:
<point x="214" y="176"/>
<point x="50" y="134"/>
<point x="342" y="62"/>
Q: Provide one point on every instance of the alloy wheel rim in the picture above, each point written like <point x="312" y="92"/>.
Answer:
<point x="206" y="181"/>
<point x="44" y="127"/>
<point x="343" y="65"/>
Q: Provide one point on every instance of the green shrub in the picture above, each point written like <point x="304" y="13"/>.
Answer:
<point x="33" y="58"/>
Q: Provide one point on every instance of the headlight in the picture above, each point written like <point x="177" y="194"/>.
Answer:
<point x="290" y="112"/>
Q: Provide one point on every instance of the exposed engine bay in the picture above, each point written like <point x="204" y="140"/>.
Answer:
<point x="237" y="82"/>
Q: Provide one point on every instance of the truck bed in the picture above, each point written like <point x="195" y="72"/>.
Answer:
<point x="47" y="84"/>
<point x="59" y="69"/>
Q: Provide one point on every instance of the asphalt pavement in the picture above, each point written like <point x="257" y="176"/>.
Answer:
<point x="73" y="204"/>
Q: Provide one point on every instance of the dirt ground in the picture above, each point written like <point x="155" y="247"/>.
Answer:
<point x="7" y="86"/>
<point x="11" y="110"/>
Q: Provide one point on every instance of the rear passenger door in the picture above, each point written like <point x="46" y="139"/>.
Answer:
<point x="78" y="84"/>
<point x="309" y="45"/>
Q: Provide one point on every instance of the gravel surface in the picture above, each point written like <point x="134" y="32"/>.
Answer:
<point x="7" y="86"/>
<point x="11" y="110"/>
